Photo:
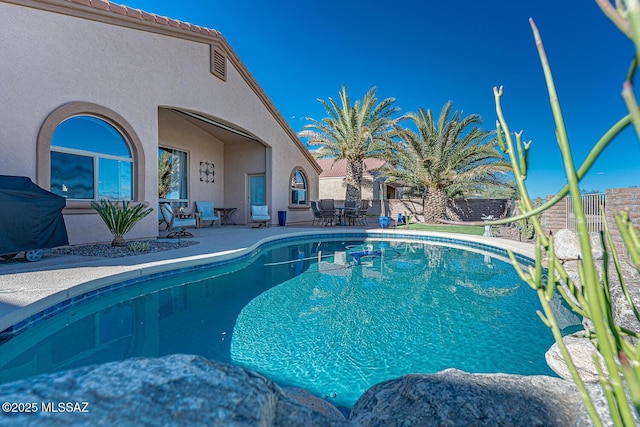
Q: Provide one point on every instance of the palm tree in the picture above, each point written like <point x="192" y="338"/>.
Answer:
<point x="451" y="157"/>
<point x="353" y="132"/>
<point x="165" y="177"/>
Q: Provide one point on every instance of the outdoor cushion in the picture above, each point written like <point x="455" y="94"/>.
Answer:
<point x="260" y="212"/>
<point x="205" y="209"/>
<point x="174" y="221"/>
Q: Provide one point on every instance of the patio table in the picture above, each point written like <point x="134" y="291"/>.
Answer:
<point x="226" y="214"/>
<point x="341" y="215"/>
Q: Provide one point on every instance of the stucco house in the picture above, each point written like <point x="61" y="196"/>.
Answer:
<point x="373" y="182"/>
<point x="95" y="96"/>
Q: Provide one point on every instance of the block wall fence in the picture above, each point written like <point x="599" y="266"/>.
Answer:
<point x="457" y="209"/>
<point x="617" y="199"/>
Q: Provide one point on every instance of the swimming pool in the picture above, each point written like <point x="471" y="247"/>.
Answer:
<point x="304" y="312"/>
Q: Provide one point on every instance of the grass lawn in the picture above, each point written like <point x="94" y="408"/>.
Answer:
<point x="476" y="230"/>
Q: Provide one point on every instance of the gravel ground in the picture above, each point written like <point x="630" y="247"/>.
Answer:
<point x="137" y="247"/>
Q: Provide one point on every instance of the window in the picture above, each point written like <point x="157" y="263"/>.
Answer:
<point x="298" y="188"/>
<point x="172" y="176"/>
<point x="90" y="159"/>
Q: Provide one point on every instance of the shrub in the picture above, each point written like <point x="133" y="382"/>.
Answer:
<point x="526" y="228"/>
<point x="139" y="246"/>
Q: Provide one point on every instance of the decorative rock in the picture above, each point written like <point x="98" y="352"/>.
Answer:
<point x="456" y="398"/>
<point x="597" y="250"/>
<point x="307" y="399"/>
<point x="581" y="351"/>
<point x="623" y="314"/>
<point x="567" y="245"/>
<point x="599" y="401"/>
<point x="173" y="390"/>
<point x="181" y="390"/>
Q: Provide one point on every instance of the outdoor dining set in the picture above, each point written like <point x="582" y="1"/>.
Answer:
<point x="325" y="212"/>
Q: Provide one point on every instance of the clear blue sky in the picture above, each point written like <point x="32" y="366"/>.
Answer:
<point x="425" y="53"/>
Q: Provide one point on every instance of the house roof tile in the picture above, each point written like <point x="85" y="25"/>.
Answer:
<point x="100" y="4"/>
<point x="144" y="16"/>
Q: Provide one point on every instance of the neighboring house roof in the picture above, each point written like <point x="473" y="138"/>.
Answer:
<point x="339" y="169"/>
<point x="124" y="16"/>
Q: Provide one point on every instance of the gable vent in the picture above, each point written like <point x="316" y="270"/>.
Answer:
<point x="218" y="64"/>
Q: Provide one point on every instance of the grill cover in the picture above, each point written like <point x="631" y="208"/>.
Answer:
<point x="30" y="217"/>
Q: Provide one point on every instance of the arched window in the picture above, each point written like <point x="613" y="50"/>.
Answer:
<point x="90" y="160"/>
<point x="298" y="188"/>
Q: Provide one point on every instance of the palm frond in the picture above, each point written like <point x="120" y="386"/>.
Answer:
<point x="354" y="131"/>
<point x="452" y="153"/>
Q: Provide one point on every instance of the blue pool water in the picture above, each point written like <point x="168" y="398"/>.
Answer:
<point x="306" y="314"/>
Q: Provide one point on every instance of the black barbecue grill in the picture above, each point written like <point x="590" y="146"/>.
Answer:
<point x="30" y="219"/>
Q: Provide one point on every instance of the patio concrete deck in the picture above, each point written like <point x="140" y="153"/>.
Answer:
<point x="27" y="288"/>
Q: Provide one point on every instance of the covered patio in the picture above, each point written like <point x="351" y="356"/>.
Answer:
<point x="211" y="161"/>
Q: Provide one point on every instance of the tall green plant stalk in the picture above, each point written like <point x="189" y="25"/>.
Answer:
<point x="591" y="299"/>
<point x="120" y="220"/>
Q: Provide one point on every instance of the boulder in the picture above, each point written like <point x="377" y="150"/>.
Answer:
<point x="176" y="390"/>
<point x="305" y="398"/>
<point x="456" y="398"/>
<point x="567" y="245"/>
<point x="183" y="390"/>
<point x="582" y="351"/>
<point x="623" y="313"/>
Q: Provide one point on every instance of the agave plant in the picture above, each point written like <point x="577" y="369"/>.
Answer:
<point x="120" y="220"/>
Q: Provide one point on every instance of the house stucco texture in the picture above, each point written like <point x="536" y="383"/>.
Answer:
<point x="161" y="84"/>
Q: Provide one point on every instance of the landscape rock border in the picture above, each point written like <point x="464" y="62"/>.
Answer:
<point x="105" y="250"/>
<point x="180" y="390"/>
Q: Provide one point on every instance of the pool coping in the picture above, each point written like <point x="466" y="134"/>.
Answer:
<point x="75" y="287"/>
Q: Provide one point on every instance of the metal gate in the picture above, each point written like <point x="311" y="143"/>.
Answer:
<point x="593" y="206"/>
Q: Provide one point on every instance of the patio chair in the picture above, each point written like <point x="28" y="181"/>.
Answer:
<point x="317" y="215"/>
<point x="176" y="224"/>
<point x="206" y="213"/>
<point x="260" y="216"/>
<point x="357" y="213"/>
<point x="364" y="211"/>
<point x="328" y="210"/>
<point x="323" y="217"/>
<point x="350" y="211"/>
<point x="160" y="217"/>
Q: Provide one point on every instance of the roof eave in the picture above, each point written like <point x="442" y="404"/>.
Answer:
<point x="111" y="13"/>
